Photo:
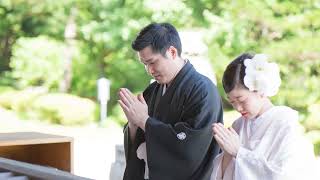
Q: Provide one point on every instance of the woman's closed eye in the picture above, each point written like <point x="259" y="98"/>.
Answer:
<point x="243" y="100"/>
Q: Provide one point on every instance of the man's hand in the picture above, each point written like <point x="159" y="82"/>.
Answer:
<point x="135" y="108"/>
<point x="227" y="138"/>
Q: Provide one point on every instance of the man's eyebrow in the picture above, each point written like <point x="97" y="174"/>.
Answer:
<point x="146" y="61"/>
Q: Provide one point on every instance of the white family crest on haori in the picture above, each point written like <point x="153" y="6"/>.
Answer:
<point x="181" y="136"/>
<point x="261" y="75"/>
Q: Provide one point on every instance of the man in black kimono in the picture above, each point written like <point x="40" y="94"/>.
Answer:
<point x="168" y="135"/>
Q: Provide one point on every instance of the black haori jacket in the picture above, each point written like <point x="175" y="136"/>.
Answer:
<point x="178" y="134"/>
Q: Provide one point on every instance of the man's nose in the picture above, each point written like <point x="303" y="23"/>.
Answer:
<point x="149" y="69"/>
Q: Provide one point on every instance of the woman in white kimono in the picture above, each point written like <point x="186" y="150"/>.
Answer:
<point x="265" y="143"/>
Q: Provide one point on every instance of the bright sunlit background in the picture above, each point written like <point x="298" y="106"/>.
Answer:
<point x="53" y="52"/>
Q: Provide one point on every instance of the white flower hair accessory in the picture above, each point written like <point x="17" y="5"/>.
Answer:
<point x="262" y="76"/>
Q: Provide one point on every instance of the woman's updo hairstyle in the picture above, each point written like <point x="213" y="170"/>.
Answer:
<point x="235" y="72"/>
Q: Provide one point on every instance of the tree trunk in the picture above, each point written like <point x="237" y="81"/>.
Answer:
<point x="69" y="34"/>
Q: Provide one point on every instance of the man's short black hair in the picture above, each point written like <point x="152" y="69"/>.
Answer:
<point x="159" y="36"/>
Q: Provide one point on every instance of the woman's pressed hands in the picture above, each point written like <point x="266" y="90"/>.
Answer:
<point x="227" y="138"/>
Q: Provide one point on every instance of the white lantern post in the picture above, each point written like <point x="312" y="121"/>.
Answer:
<point x="103" y="97"/>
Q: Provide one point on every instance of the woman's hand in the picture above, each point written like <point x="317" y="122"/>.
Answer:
<point x="227" y="138"/>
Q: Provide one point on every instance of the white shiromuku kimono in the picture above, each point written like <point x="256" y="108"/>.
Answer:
<point x="272" y="148"/>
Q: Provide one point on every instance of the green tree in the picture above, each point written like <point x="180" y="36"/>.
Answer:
<point x="29" y="19"/>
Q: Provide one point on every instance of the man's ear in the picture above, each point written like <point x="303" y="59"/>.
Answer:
<point x="172" y="52"/>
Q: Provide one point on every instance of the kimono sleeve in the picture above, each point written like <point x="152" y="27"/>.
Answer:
<point x="217" y="169"/>
<point x="134" y="165"/>
<point x="289" y="161"/>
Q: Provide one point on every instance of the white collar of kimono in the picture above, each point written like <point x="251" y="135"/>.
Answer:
<point x="254" y="123"/>
<point x="164" y="89"/>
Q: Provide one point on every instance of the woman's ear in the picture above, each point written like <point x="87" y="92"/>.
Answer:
<point x="262" y="95"/>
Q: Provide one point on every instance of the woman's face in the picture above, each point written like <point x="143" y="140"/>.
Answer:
<point x="247" y="103"/>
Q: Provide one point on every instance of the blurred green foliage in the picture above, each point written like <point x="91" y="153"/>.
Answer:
<point x="37" y="62"/>
<point x="65" y="109"/>
<point x="314" y="136"/>
<point x="38" y="104"/>
<point x="33" y="46"/>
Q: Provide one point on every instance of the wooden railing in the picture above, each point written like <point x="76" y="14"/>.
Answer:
<point x="17" y="170"/>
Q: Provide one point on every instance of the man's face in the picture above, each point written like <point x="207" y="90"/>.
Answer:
<point x="161" y="68"/>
